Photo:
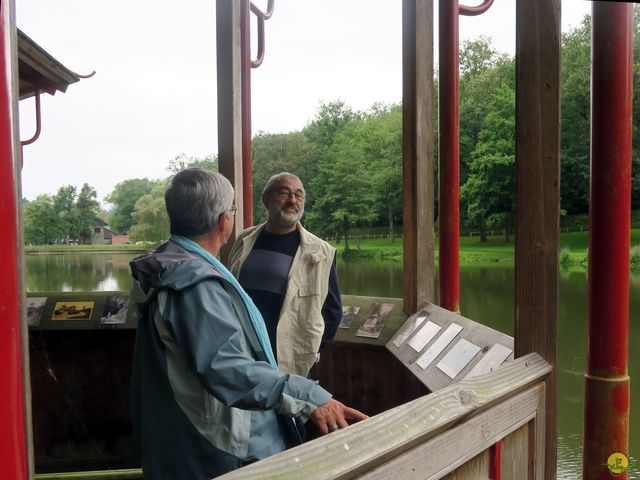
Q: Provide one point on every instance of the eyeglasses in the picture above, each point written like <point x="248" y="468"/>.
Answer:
<point x="285" y="193"/>
<point x="233" y="210"/>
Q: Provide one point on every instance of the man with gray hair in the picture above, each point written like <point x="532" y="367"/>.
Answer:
<point x="206" y="394"/>
<point x="291" y="276"/>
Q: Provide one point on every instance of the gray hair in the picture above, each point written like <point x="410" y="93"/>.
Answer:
<point x="276" y="178"/>
<point x="195" y="198"/>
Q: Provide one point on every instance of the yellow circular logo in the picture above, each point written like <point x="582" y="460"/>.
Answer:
<point x="618" y="463"/>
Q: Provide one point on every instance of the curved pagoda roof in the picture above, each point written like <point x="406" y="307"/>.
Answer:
<point x="38" y="69"/>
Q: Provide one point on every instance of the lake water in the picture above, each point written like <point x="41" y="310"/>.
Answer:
<point x="486" y="296"/>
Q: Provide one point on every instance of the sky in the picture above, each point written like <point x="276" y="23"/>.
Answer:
<point x="154" y="93"/>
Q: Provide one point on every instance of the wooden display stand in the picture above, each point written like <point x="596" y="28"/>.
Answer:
<point x="440" y="347"/>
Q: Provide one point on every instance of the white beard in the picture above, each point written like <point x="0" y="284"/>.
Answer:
<point x="288" y="219"/>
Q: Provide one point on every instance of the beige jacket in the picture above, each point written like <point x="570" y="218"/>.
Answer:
<point x="300" y="325"/>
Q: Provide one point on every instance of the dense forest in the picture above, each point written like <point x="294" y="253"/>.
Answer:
<point x="351" y="161"/>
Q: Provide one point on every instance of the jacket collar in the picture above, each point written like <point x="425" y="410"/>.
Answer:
<point x="308" y="250"/>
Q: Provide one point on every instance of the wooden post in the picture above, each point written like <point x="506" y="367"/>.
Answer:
<point x="230" y="103"/>
<point x="537" y="193"/>
<point x="417" y="146"/>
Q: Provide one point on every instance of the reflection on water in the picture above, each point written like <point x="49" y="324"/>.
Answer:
<point x="486" y="296"/>
<point x="78" y="273"/>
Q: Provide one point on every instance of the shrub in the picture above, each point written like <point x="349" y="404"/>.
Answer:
<point x="634" y="259"/>
<point x="565" y="257"/>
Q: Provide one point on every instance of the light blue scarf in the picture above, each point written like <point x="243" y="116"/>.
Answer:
<point x="254" y="314"/>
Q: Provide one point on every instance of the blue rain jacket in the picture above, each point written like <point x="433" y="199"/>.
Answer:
<point x="204" y="399"/>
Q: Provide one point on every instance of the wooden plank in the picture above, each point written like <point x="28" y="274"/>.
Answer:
<point x="417" y="148"/>
<point x="474" y="469"/>
<point x="229" y="105"/>
<point x="361" y="447"/>
<point x="537" y="441"/>
<point x="537" y="191"/>
<point x="515" y="455"/>
<point x="450" y="450"/>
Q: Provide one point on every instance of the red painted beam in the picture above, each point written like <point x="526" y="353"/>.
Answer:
<point x="495" y="461"/>
<point x="606" y="428"/>
<point x="13" y="451"/>
<point x="449" y="158"/>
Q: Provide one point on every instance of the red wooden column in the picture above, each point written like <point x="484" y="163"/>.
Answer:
<point x="606" y="427"/>
<point x="449" y="158"/>
<point x="449" y="143"/>
<point x="13" y="437"/>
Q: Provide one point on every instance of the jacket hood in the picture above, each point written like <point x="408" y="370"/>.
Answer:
<point x="169" y="266"/>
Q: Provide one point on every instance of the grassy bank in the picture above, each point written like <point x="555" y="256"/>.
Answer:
<point x="573" y="247"/>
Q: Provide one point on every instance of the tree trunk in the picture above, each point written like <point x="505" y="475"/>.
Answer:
<point x="392" y="235"/>
<point x="483" y="234"/>
<point x="345" y="232"/>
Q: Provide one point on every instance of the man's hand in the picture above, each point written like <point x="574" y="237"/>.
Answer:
<point x="333" y="415"/>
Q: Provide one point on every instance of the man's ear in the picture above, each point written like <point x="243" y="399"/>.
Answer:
<point x="223" y="219"/>
<point x="264" y="200"/>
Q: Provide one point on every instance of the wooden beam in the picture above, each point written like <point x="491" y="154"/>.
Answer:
<point x="454" y="448"/>
<point x="537" y="192"/>
<point x="367" y="445"/>
<point x="230" y="104"/>
<point x="417" y="146"/>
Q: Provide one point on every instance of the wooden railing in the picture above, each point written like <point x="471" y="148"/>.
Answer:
<point x="446" y="434"/>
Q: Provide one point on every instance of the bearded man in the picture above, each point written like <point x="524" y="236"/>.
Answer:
<point x="290" y="274"/>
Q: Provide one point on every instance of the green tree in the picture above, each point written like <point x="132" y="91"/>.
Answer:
<point x="490" y="186"/>
<point x="483" y="72"/>
<point x="64" y="207"/>
<point x="477" y="56"/>
<point x="273" y="153"/>
<point x="87" y="207"/>
<point x="150" y="219"/>
<point x="123" y="198"/>
<point x="182" y="161"/>
<point x="330" y="119"/>
<point x="343" y="189"/>
<point x="379" y="136"/>
<point x="75" y="213"/>
<point x="575" y="117"/>
<point x="40" y="226"/>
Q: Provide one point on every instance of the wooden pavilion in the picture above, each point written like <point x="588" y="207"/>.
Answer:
<point x="498" y="425"/>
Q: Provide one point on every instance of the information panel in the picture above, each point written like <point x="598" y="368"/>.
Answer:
<point x="441" y="347"/>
